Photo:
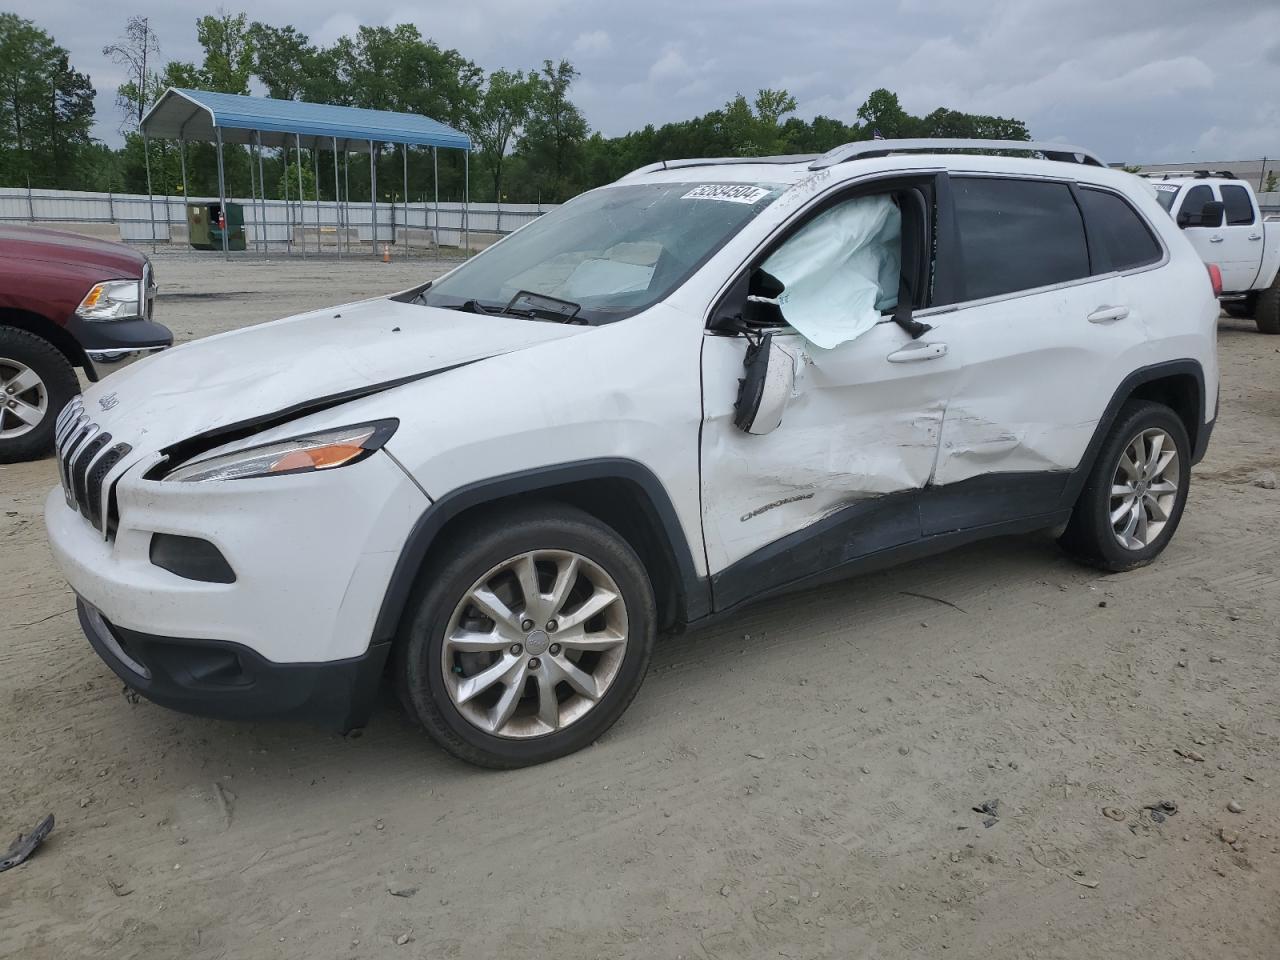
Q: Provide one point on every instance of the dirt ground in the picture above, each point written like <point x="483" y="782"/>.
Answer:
<point x="796" y="782"/>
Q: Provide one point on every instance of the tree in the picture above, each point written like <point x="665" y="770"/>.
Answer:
<point x="284" y="60"/>
<point x="499" y="118"/>
<point x="883" y="114"/>
<point x="228" y="52"/>
<point x="555" y="131"/>
<point x="46" y="108"/>
<point x="138" y="51"/>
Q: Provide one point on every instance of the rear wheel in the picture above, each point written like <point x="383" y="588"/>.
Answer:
<point x="529" y="639"/>
<point x="1267" y="308"/>
<point x="35" y="384"/>
<point x="1133" y="500"/>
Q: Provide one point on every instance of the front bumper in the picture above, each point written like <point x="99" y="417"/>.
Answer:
<point x="111" y="345"/>
<point x="213" y="678"/>
<point x="312" y="555"/>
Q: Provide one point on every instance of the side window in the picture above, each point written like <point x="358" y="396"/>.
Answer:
<point x="1193" y="203"/>
<point x="1126" y="238"/>
<point x="1018" y="235"/>
<point x="1239" y="206"/>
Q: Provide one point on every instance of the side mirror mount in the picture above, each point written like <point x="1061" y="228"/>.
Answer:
<point x="763" y="393"/>
<point x="1210" y="215"/>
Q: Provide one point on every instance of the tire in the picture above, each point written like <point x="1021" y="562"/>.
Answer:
<point x="1266" y="311"/>
<point x="42" y="381"/>
<point x="1090" y="535"/>
<point x="484" y="562"/>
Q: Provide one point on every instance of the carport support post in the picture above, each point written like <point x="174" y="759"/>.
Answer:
<point x="288" y="207"/>
<point x="435" y="213"/>
<point x="346" y="192"/>
<point x="182" y="159"/>
<point x="404" y="152"/>
<point x="466" y="204"/>
<point x="315" y="168"/>
<point x="151" y="204"/>
<point x="373" y="197"/>
<point x="253" y="203"/>
<point x="222" y="194"/>
<point x="302" y="196"/>
<point x="337" y="201"/>
<point x="262" y="188"/>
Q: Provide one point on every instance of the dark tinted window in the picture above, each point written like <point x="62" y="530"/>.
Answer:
<point x="1017" y="235"/>
<point x="1125" y="237"/>
<point x="1194" y="202"/>
<point x="1239" y="206"/>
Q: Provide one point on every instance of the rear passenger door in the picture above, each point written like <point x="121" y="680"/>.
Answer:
<point x="1241" y="247"/>
<point x="1044" y="329"/>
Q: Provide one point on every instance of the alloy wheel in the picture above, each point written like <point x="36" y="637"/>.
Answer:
<point x="534" y="644"/>
<point x="1144" y="491"/>
<point x="24" y="400"/>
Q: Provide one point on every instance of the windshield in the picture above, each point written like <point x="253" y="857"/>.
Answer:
<point x="609" y="253"/>
<point x="1165" y="193"/>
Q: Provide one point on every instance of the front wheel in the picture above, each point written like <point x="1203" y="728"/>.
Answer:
<point x="531" y="634"/>
<point x="36" y="382"/>
<point x="1134" y="497"/>
<point x="1266" y="310"/>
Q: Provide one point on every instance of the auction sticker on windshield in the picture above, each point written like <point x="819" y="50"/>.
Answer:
<point x="731" y="192"/>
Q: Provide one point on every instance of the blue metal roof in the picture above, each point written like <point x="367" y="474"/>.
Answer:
<point x="196" y="114"/>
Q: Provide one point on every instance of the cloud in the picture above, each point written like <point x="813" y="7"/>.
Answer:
<point x="593" y="43"/>
<point x="670" y="66"/>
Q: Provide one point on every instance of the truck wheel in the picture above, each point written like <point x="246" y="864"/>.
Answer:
<point x="530" y="636"/>
<point x="35" y="384"/>
<point x="1131" y="504"/>
<point x="1267" y="309"/>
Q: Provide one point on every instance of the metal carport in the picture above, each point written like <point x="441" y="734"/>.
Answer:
<point x="205" y="116"/>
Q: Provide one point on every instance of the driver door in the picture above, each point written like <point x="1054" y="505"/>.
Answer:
<point x="839" y="478"/>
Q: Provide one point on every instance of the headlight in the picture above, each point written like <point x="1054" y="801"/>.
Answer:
<point x="112" y="300"/>
<point x="306" y="454"/>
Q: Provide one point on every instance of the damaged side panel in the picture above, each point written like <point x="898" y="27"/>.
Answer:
<point x="856" y="429"/>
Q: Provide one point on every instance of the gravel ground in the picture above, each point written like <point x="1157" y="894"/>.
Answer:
<point x="795" y="782"/>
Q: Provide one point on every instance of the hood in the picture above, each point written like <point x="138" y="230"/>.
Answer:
<point x="55" y="246"/>
<point x="257" y="373"/>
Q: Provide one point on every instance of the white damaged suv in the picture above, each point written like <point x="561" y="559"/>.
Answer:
<point x="710" y="382"/>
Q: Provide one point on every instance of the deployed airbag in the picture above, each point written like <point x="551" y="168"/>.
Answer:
<point x="841" y="270"/>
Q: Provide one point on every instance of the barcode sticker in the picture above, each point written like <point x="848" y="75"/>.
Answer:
<point x="729" y="192"/>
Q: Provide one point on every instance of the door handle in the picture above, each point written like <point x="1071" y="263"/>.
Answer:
<point x="1255" y="236"/>
<point x="1108" y="314"/>
<point x="1215" y="239"/>
<point x="916" y="350"/>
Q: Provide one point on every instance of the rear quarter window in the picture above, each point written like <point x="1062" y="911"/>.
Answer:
<point x="1239" y="205"/>
<point x="1018" y="235"/>
<point x="1127" y="241"/>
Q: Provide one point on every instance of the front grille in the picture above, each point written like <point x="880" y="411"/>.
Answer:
<point x="86" y="455"/>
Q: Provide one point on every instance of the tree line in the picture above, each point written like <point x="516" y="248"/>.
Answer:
<point x="530" y="141"/>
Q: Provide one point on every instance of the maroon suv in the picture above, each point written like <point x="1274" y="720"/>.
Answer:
<point x="65" y="301"/>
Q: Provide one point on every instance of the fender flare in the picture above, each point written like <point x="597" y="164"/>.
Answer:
<point x="1132" y="382"/>
<point x="694" y="590"/>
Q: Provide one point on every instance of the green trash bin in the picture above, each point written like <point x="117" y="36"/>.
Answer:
<point x="204" y="232"/>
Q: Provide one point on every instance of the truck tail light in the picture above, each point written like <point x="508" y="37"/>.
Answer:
<point x="1215" y="278"/>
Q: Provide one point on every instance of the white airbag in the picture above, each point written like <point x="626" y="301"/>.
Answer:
<point x="841" y="270"/>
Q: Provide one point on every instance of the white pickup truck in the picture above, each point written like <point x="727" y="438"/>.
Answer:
<point x="1223" y="221"/>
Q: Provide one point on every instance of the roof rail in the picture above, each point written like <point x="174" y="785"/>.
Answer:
<point x="715" y="162"/>
<point x="879" y="148"/>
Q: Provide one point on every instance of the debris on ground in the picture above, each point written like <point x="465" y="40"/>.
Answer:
<point x="25" y="844"/>
<point x="1266" y="480"/>
<point x="1235" y="806"/>
<point x="1189" y="755"/>
<point x="1159" y="811"/>
<point x="992" y="809"/>
<point x="1113" y="813"/>
<point x="401" y="888"/>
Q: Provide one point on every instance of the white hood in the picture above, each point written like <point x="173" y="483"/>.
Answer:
<point x="263" y="370"/>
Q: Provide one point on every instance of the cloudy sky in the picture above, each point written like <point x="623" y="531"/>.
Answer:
<point x="1178" y="80"/>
